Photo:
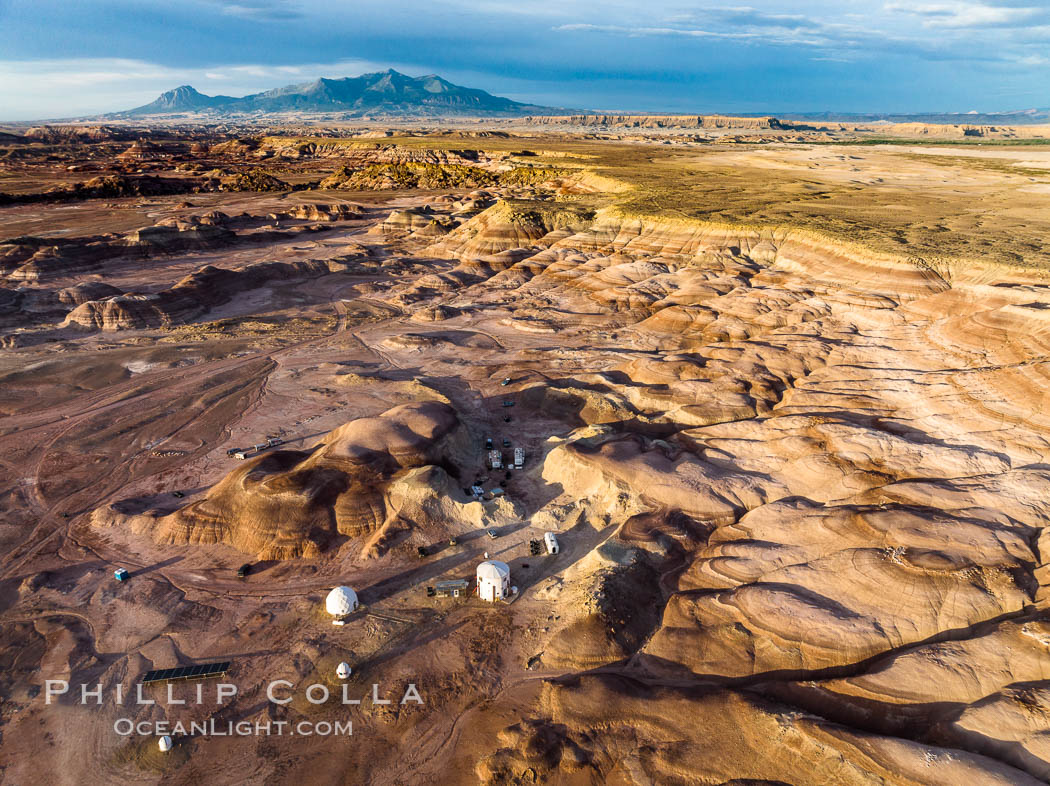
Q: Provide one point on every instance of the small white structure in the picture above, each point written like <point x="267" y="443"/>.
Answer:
<point x="342" y="671"/>
<point x="495" y="459"/>
<point x="519" y="458"/>
<point x="341" y="602"/>
<point x="164" y="744"/>
<point x="493" y="580"/>
<point x="551" y="542"/>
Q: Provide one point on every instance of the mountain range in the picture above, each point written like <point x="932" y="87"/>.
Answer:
<point x="386" y="93"/>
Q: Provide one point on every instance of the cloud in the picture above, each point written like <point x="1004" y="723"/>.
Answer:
<point x="743" y="25"/>
<point x="969" y="15"/>
<point x="1009" y="31"/>
<point x="261" y="10"/>
<point x="648" y="31"/>
<point x="745" y="16"/>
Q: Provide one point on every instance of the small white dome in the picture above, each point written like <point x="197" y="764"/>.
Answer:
<point x="493" y="570"/>
<point x="342" y="671"/>
<point x="341" y="601"/>
<point x="164" y="744"/>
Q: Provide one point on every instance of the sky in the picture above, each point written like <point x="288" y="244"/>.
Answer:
<point x="63" y="58"/>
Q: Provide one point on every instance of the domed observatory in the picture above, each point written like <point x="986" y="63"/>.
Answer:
<point x="493" y="580"/>
<point x="342" y="671"/>
<point x="341" y="602"/>
<point x="164" y="743"/>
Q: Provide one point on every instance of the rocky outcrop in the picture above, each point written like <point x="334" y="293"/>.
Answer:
<point x="286" y="504"/>
<point x="107" y="187"/>
<point x="251" y="180"/>
<point x="589" y="729"/>
<point x="191" y="297"/>
<point x="170" y="238"/>
<point x="87" y="291"/>
<point x="427" y="175"/>
<point x="434" y="313"/>
<point x="72" y="134"/>
<point x="510" y="225"/>
<point x="343" y="211"/>
<point x="40" y="259"/>
<point x="357" y="155"/>
<point x="408" y="220"/>
<point x="381" y="177"/>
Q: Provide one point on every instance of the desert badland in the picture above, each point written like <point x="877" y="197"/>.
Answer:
<point x="780" y="390"/>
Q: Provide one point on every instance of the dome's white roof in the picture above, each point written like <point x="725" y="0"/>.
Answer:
<point x="342" y="671"/>
<point x="493" y="570"/>
<point x="165" y="743"/>
<point x="341" y="601"/>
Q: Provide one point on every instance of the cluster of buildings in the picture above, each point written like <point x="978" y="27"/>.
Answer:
<point x="495" y="459"/>
<point x="254" y="450"/>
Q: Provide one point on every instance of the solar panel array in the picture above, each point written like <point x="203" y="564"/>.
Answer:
<point x="201" y="672"/>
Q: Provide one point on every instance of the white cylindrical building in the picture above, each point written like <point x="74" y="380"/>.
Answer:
<point x="493" y="580"/>
<point x="342" y="671"/>
<point x="164" y="744"/>
<point x="341" y="602"/>
<point x="550" y="540"/>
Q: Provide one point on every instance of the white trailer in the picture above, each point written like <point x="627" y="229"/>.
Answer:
<point x="519" y="458"/>
<point x="551" y="542"/>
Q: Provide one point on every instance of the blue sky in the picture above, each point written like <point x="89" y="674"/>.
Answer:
<point x="68" y="57"/>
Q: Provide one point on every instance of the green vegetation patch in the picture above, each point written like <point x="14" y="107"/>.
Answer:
<point x="434" y="176"/>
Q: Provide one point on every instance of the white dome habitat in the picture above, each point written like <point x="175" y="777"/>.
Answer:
<point x="341" y="601"/>
<point x="493" y="580"/>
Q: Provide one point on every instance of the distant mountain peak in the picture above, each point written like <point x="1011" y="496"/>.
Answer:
<point x="386" y="92"/>
<point x="184" y="98"/>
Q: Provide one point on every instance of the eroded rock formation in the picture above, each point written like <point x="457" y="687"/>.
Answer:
<point x="288" y="503"/>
